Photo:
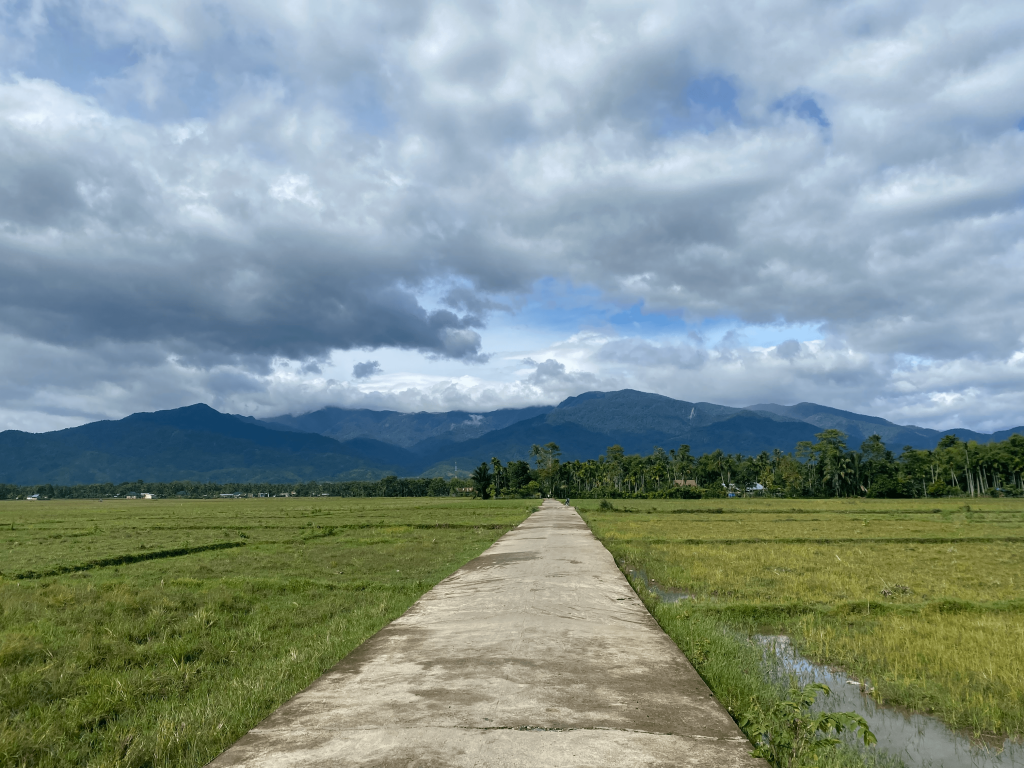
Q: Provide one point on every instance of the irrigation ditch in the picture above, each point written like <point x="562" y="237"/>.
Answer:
<point x="914" y="739"/>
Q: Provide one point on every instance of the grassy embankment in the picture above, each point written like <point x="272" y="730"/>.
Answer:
<point x="107" y="659"/>
<point x="951" y="645"/>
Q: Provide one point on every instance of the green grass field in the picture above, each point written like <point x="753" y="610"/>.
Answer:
<point x="126" y="640"/>
<point x="946" y="637"/>
<point x="146" y="633"/>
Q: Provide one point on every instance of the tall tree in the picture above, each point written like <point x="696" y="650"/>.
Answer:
<point x="878" y="468"/>
<point x="518" y="475"/>
<point x="547" y="464"/>
<point x="481" y="479"/>
<point x="833" y="463"/>
<point x="496" y="464"/>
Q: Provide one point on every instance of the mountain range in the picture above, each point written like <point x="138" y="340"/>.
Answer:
<point x="200" y="443"/>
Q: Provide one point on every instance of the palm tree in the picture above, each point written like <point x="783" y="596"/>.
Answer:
<point x="481" y="479"/>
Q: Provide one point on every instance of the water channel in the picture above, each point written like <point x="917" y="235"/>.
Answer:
<point x="921" y="741"/>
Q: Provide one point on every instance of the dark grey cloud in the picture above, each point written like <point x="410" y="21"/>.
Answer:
<point x="366" y="369"/>
<point x="473" y="301"/>
<point x="221" y="269"/>
<point x="788" y="349"/>
<point x="546" y="371"/>
<point x="552" y="378"/>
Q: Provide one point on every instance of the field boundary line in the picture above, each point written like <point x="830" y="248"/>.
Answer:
<point x="900" y="540"/>
<point x="104" y="562"/>
<point x="848" y="607"/>
<point x="336" y="526"/>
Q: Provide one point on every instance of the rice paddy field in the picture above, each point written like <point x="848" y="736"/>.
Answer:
<point x="923" y="598"/>
<point x="157" y="632"/>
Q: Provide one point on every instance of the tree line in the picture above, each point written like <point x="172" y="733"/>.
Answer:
<point x="387" y="486"/>
<point x="826" y="467"/>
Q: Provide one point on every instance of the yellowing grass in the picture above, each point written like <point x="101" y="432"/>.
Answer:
<point x="659" y="526"/>
<point x="966" y="667"/>
<point x="813" y="573"/>
<point x="947" y="637"/>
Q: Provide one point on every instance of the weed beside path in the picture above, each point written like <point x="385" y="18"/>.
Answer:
<point x="170" y="659"/>
<point x="922" y="598"/>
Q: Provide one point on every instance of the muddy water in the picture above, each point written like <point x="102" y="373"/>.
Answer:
<point x="919" y="740"/>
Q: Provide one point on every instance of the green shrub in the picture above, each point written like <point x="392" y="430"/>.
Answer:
<point x="790" y="735"/>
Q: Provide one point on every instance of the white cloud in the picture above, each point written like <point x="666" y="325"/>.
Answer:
<point x="252" y="183"/>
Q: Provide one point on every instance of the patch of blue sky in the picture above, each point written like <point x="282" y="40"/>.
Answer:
<point x="555" y="310"/>
<point x="763" y="336"/>
<point x="182" y="95"/>
<point x="646" y="323"/>
<point x="1020" y="125"/>
<point x="713" y="95"/>
<point x="802" y="105"/>
<point x="562" y="309"/>
<point x="706" y="104"/>
<point x="905" y="361"/>
<point x="69" y="54"/>
<point x="557" y="304"/>
<point x="362" y="104"/>
<point x="551" y="312"/>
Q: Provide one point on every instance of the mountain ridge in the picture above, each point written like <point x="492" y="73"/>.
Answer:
<point x="198" y="442"/>
<point x="860" y="426"/>
<point x="345" y="423"/>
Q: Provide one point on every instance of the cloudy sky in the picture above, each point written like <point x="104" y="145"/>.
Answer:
<point x="274" y="206"/>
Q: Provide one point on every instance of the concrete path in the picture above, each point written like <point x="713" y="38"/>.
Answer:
<point x="537" y="653"/>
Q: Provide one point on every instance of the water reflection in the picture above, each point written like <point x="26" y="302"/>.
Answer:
<point x="919" y="740"/>
<point x="664" y="594"/>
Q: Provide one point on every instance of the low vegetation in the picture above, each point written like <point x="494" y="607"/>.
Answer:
<point x="923" y="598"/>
<point x="792" y="734"/>
<point x="389" y="486"/>
<point x="111" y="660"/>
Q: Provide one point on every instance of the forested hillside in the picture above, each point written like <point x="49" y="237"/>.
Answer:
<point x="826" y="467"/>
<point x="201" y="445"/>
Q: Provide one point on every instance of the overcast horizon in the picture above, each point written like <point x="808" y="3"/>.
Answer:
<point x="273" y="207"/>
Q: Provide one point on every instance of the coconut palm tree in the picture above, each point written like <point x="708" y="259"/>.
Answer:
<point x="481" y="479"/>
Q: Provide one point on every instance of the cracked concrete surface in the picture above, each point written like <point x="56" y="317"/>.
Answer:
<point x="536" y="653"/>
